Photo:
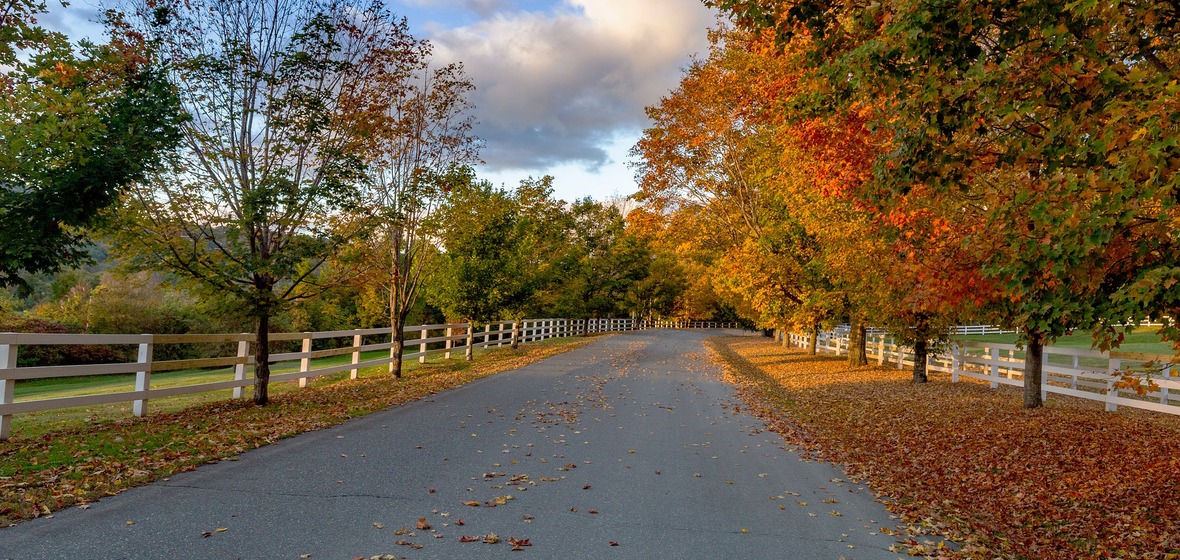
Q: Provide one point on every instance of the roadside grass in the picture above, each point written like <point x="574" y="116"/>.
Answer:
<point x="1140" y="339"/>
<point x="1064" y="481"/>
<point x="1143" y="340"/>
<point x="35" y="423"/>
<point x="65" y="458"/>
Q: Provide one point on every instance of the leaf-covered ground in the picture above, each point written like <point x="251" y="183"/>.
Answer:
<point x="1065" y="481"/>
<point x="79" y="464"/>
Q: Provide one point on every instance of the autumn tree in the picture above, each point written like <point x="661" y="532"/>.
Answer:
<point x="426" y="146"/>
<point x="266" y="188"/>
<point x="706" y="154"/>
<point x="1045" y="123"/>
<point x="76" y="126"/>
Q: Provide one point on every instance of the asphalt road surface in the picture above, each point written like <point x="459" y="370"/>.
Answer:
<point x="631" y="447"/>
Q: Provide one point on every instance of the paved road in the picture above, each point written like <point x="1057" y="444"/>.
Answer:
<point x="627" y="448"/>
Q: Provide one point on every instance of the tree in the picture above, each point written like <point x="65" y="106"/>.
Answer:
<point x="483" y="273"/>
<point x="599" y="264"/>
<point x="75" y="127"/>
<point x="267" y="187"/>
<point x="426" y="148"/>
<point x="1043" y="123"/>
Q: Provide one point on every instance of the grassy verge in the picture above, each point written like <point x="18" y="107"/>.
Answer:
<point x="1064" y="481"/>
<point x="1142" y="339"/>
<point x="80" y="456"/>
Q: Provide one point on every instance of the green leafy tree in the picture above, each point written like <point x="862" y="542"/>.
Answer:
<point x="76" y="126"/>
<point x="284" y="97"/>
<point x="483" y="273"/>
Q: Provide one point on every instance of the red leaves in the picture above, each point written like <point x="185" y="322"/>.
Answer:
<point x="1062" y="482"/>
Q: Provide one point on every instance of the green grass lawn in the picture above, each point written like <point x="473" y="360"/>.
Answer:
<point x="59" y="387"/>
<point x="1141" y="340"/>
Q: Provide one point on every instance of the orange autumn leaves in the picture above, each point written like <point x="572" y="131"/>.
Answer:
<point x="1058" y="483"/>
<point x="778" y="196"/>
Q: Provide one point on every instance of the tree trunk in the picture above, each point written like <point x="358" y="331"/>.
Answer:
<point x="862" y="342"/>
<point x="1032" y="369"/>
<point x="262" y="361"/>
<point x="920" y="348"/>
<point x="398" y="338"/>
<point x="813" y="340"/>
<point x="856" y="343"/>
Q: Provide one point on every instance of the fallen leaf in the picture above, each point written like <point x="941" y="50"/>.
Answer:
<point x="422" y="524"/>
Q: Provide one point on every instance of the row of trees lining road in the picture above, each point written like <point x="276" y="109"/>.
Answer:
<point x="910" y="164"/>
<point x="305" y="162"/>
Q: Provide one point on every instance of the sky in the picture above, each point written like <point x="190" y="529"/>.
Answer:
<point x="560" y="84"/>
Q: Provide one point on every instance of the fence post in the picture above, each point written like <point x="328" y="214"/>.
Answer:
<point x="954" y="362"/>
<point x="881" y="351"/>
<point x="470" y="341"/>
<point x="1112" y="391"/>
<point x="422" y="347"/>
<point x="995" y="368"/>
<point x="1166" y="373"/>
<point x="487" y="334"/>
<point x="305" y="360"/>
<point x="7" y="385"/>
<point x="356" y="355"/>
<point x="240" y="367"/>
<point x="515" y="342"/>
<point x="143" y="378"/>
<point x="449" y="343"/>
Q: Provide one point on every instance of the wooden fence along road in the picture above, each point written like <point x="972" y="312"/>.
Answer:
<point x="430" y="339"/>
<point x="1086" y="374"/>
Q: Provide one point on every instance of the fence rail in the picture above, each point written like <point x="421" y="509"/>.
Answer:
<point x="1086" y="374"/>
<point x="444" y="339"/>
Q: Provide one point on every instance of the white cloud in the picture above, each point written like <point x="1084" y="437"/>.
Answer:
<point x="557" y="87"/>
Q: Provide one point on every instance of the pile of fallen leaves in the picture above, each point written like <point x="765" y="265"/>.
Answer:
<point x="80" y="464"/>
<point x="1064" y="481"/>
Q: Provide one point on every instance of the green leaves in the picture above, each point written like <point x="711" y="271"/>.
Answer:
<point x="75" y="129"/>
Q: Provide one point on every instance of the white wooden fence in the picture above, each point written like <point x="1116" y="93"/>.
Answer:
<point x="1087" y="374"/>
<point x="443" y="339"/>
